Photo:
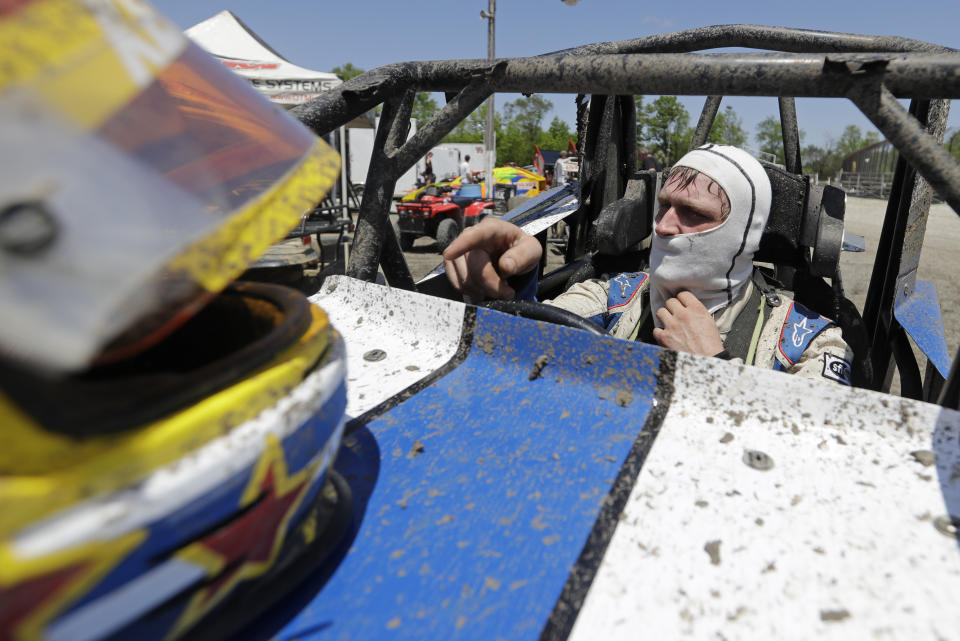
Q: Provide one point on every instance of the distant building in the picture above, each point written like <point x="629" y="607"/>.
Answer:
<point x="868" y="172"/>
<point x="878" y="158"/>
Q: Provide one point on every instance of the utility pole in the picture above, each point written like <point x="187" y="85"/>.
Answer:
<point x="489" y="135"/>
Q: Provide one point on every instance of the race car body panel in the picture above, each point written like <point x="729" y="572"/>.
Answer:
<point x="542" y="481"/>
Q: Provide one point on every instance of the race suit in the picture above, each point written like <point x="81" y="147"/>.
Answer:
<point x="791" y="339"/>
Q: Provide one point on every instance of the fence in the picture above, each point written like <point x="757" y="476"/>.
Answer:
<point x="866" y="184"/>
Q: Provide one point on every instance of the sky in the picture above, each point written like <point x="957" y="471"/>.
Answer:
<point x="323" y="34"/>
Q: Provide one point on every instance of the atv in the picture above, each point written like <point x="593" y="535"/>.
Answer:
<point x="440" y="214"/>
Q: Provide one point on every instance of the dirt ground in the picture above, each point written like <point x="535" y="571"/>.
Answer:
<point x="864" y="217"/>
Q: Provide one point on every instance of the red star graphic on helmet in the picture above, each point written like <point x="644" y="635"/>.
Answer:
<point x="247" y="545"/>
<point x="20" y="602"/>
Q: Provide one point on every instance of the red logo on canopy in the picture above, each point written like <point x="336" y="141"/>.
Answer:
<point x="250" y="65"/>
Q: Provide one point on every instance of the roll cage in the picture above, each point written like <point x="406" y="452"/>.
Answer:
<point x="874" y="72"/>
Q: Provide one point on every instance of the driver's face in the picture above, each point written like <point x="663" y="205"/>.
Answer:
<point x="685" y="211"/>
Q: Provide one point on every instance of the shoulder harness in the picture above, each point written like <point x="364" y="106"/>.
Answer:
<point x="800" y="327"/>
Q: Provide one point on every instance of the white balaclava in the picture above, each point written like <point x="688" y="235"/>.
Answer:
<point x="715" y="264"/>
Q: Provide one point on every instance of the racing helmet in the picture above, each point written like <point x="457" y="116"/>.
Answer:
<point x="167" y="432"/>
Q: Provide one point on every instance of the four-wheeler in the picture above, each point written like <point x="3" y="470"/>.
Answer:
<point x="440" y="213"/>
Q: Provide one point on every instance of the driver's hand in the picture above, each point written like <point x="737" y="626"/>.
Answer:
<point x="687" y="326"/>
<point x="480" y="260"/>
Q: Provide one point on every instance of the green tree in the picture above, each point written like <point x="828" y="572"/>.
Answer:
<point x="828" y="161"/>
<point x="424" y="108"/>
<point x="728" y="129"/>
<point x="557" y="136"/>
<point x="527" y="113"/>
<point x="852" y="139"/>
<point x="953" y="144"/>
<point x="472" y="127"/>
<point x="521" y="129"/>
<point x="664" y="124"/>
<point x="818" y="160"/>
<point x="769" y="137"/>
<point x="347" y="71"/>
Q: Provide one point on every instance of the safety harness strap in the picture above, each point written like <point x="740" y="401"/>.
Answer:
<point x="740" y="336"/>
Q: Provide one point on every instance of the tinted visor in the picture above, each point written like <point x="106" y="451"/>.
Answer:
<point x="143" y="177"/>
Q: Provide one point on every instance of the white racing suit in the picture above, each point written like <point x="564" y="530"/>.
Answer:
<point x="792" y="339"/>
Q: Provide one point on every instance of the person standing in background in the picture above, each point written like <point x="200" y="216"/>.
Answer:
<point x="646" y="160"/>
<point x="428" y="176"/>
<point x="465" y="175"/>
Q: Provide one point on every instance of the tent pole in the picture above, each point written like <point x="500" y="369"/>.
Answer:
<point x="343" y="172"/>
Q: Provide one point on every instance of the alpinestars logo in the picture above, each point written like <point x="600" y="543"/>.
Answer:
<point x="800" y="331"/>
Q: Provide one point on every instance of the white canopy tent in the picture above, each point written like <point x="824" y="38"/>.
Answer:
<point x="238" y="47"/>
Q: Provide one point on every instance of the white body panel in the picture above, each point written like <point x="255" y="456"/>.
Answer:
<point x="417" y="334"/>
<point x="845" y="536"/>
<point x="836" y="541"/>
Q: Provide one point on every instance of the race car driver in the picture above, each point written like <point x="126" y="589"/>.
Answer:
<point x="702" y="294"/>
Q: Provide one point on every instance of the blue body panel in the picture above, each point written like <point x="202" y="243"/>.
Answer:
<point x="919" y="315"/>
<point x="462" y="531"/>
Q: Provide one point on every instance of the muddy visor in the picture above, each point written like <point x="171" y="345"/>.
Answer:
<point x="140" y="178"/>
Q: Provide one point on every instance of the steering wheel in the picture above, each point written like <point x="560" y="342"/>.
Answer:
<point x="542" y="312"/>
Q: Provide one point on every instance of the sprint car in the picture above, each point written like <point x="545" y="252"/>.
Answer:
<point x="394" y="462"/>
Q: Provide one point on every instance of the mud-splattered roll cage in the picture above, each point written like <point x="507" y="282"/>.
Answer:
<point x="872" y="71"/>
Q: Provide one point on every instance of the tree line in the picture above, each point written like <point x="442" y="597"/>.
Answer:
<point x="663" y="127"/>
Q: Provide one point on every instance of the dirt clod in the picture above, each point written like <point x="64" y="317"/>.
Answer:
<point x="712" y="548"/>
<point x="416" y="450"/>
<point x="538" y="365"/>
<point x="834" y="615"/>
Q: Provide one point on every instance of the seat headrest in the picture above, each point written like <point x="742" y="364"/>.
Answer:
<point x="625" y="222"/>
<point x="803" y="217"/>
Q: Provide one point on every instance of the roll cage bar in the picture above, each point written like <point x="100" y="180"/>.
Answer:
<point x="874" y="72"/>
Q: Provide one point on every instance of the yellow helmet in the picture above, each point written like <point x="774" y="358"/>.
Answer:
<point x="166" y="434"/>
